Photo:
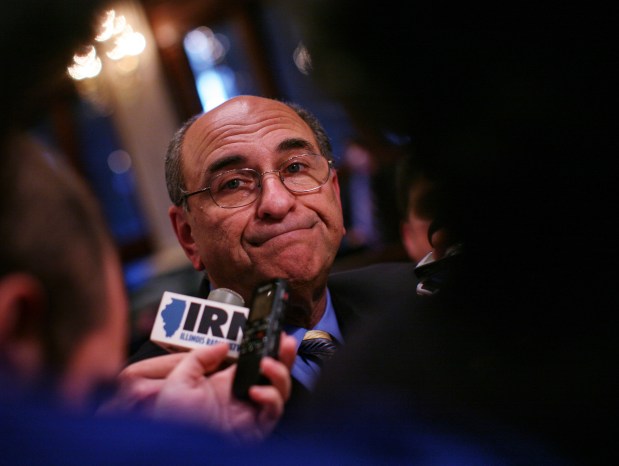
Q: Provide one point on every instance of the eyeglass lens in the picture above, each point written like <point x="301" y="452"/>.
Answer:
<point x="301" y="173"/>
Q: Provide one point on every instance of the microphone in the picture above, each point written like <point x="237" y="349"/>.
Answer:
<point x="186" y="322"/>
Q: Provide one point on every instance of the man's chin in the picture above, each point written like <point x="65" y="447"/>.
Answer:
<point x="296" y="271"/>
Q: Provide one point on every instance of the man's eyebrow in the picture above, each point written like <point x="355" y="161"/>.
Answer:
<point x="237" y="159"/>
<point x="295" y="143"/>
<point x="226" y="162"/>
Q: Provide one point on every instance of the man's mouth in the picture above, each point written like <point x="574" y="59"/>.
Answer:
<point x="263" y="235"/>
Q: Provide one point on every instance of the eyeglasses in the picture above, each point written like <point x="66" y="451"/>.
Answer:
<point x="240" y="187"/>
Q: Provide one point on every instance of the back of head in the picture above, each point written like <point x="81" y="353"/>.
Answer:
<point x="510" y="108"/>
<point x="52" y="230"/>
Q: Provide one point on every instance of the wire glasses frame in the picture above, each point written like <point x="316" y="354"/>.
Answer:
<point x="240" y="187"/>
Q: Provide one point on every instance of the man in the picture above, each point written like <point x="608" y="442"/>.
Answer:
<point x="281" y="229"/>
<point x="256" y="197"/>
<point x="63" y="309"/>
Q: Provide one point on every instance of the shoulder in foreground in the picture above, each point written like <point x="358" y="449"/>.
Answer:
<point x="380" y="279"/>
<point x="378" y="271"/>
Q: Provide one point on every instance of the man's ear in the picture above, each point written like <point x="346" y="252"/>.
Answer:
<point x="22" y="312"/>
<point x="336" y="187"/>
<point x="184" y="234"/>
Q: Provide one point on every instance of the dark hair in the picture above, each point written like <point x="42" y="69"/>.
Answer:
<point x="514" y="111"/>
<point x="324" y="144"/>
<point x="510" y="109"/>
<point x="175" y="181"/>
<point x="52" y="229"/>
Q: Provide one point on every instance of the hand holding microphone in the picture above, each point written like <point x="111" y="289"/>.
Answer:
<point x="188" y="386"/>
<point x="188" y="396"/>
<point x="186" y="322"/>
<point x="213" y="319"/>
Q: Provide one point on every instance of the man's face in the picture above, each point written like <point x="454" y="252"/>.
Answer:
<point x="286" y="235"/>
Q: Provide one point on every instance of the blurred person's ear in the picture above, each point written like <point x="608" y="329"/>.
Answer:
<point x="414" y="233"/>
<point x="22" y="312"/>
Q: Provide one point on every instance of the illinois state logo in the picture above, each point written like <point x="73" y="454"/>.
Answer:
<point x="172" y="315"/>
<point x="185" y="322"/>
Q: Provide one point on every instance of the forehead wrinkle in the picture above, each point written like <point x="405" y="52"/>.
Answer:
<point x="219" y="129"/>
<point x="224" y="162"/>
<point x="232" y="133"/>
<point x="295" y="143"/>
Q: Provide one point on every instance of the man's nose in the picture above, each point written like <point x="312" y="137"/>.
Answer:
<point x="274" y="199"/>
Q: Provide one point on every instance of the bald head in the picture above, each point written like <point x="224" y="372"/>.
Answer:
<point x="238" y="105"/>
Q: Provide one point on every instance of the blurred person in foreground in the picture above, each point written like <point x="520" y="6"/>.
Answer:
<point x="511" y="108"/>
<point x="64" y="309"/>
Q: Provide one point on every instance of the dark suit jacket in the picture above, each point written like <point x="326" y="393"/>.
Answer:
<point x="356" y="295"/>
<point x="522" y="379"/>
<point x="359" y="296"/>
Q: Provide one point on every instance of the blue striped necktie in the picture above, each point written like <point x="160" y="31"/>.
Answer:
<point x="317" y="346"/>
